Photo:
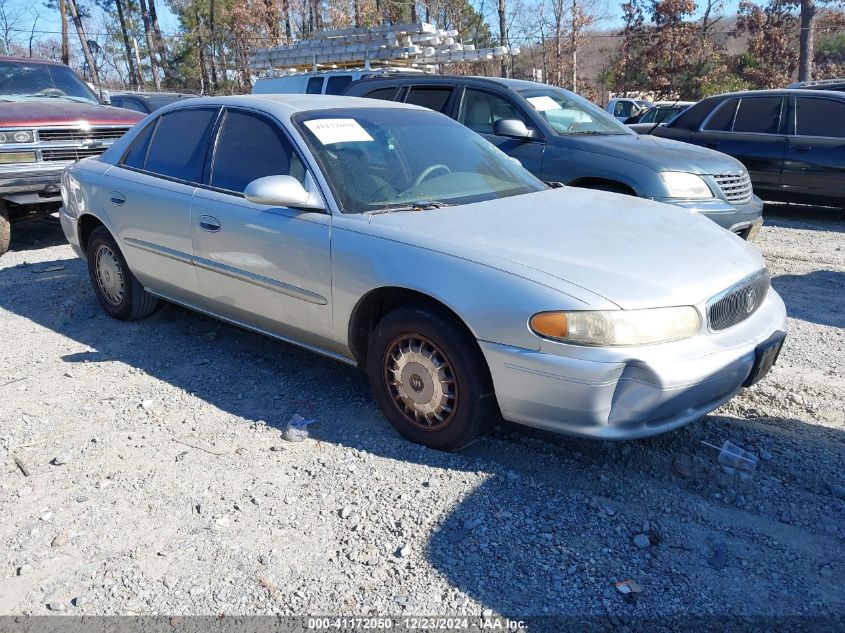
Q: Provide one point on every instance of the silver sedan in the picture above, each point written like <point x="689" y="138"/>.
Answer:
<point x="390" y="237"/>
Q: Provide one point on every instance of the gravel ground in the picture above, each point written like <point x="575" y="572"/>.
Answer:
<point x="159" y="481"/>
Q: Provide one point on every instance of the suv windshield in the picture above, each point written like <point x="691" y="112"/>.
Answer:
<point x="34" y="80"/>
<point x="570" y="114"/>
<point x="384" y="159"/>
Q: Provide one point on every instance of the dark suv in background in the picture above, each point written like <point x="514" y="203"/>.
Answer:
<point x="560" y="137"/>
<point x="791" y="141"/>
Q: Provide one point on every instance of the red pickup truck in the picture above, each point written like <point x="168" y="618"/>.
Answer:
<point x="49" y="118"/>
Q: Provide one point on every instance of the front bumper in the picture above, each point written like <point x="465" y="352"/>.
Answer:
<point x="744" y="220"/>
<point x="28" y="180"/>
<point x="628" y="393"/>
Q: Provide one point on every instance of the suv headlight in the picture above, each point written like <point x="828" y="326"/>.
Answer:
<point x="618" y="327"/>
<point x="17" y="136"/>
<point x="680" y="184"/>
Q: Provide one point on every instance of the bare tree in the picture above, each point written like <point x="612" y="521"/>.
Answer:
<point x="151" y="47"/>
<point x="806" y="40"/>
<point x="65" y="39"/>
<point x="134" y="76"/>
<point x="83" y="41"/>
<point x="503" y="33"/>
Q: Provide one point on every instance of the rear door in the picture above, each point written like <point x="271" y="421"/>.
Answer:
<point x="267" y="267"/>
<point x="480" y="109"/>
<point x="751" y="129"/>
<point x="815" y="153"/>
<point x="148" y="196"/>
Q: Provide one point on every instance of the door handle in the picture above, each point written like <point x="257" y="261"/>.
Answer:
<point x="117" y="197"/>
<point x="801" y="150"/>
<point x="209" y="223"/>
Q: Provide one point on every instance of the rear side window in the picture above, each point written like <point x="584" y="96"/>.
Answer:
<point x="315" y="86"/>
<point x="137" y="154"/>
<point x="381" y="93"/>
<point x="337" y="85"/>
<point x="431" y="98"/>
<point x="820" y="117"/>
<point x="249" y="147"/>
<point x="723" y="118"/>
<point x="177" y="149"/>
<point x="759" y="115"/>
<point x="623" y="108"/>
<point x="131" y="104"/>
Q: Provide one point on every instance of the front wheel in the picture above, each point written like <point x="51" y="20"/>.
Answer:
<point x="430" y="379"/>
<point x="117" y="290"/>
<point x="5" y="229"/>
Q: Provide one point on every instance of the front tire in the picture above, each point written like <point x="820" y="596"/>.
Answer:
<point x="117" y="290"/>
<point x="430" y="379"/>
<point x="5" y="229"/>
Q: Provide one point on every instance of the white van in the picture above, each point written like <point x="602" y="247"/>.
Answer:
<point x="326" y="82"/>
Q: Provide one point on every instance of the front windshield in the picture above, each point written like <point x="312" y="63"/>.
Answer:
<point x="34" y="80"/>
<point x="568" y="113"/>
<point x="386" y="159"/>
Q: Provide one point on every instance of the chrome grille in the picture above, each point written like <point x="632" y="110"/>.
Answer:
<point x="70" y="153"/>
<point x="738" y="302"/>
<point x="81" y="134"/>
<point x="736" y="187"/>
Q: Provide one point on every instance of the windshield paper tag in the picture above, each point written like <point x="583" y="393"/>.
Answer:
<point x="543" y="103"/>
<point x="330" y="131"/>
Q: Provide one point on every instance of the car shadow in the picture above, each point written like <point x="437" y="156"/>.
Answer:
<point x="790" y="215"/>
<point x="807" y="296"/>
<point x="549" y="531"/>
<point x="36" y="233"/>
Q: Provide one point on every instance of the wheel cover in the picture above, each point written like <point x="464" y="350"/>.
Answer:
<point x="421" y="382"/>
<point x="109" y="275"/>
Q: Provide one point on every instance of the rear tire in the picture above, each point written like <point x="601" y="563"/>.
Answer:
<point x="5" y="229"/>
<point x="430" y="379"/>
<point x="117" y="290"/>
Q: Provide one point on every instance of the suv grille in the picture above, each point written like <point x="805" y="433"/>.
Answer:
<point x="71" y="153"/>
<point x="736" y="187"/>
<point x="738" y="302"/>
<point x="81" y="134"/>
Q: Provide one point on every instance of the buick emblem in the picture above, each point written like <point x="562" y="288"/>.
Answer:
<point x="750" y="300"/>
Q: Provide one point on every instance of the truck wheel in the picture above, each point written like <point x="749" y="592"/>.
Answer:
<point x="117" y="290"/>
<point x="5" y="229"/>
<point x="430" y="379"/>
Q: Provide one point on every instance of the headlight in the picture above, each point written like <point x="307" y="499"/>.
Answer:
<point x="618" y="327"/>
<point x="17" y="136"/>
<point x="683" y="185"/>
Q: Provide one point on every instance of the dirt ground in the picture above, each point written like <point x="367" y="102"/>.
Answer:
<point x="159" y="483"/>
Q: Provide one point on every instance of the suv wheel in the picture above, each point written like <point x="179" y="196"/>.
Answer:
<point x="5" y="229"/>
<point x="430" y="379"/>
<point x="117" y="290"/>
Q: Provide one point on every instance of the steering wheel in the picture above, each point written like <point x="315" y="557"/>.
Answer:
<point x="428" y="171"/>
<point x="50" y="92"/>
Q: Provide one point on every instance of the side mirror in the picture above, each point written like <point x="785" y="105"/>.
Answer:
<point x="513" y="128"/>
<point x="282" y="191"/>
<point x="105" y="97"/>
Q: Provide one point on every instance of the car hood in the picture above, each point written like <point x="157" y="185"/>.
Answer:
<point x="60" y="112"/>
<point x="659" y="154"/>
<point x="633" y="252"/>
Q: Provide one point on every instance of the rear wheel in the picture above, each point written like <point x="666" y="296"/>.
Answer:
<point x="430" y="379"/>
<point x="5" y="229"/>
<point x="117" y="290"/>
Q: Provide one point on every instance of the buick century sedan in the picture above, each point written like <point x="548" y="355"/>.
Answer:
<point x="391" y="237"/>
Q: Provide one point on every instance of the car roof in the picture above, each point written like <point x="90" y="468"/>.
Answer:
<point x="512" y="84"/>
<point x="146" y="95"/>
<point x="780" y="92"/>
<point x="29" y="60"/>
<point x="290" y="104"/>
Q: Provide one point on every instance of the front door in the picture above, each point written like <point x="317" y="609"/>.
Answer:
<point x="479" y="111"/>
<point x="262" y="266"/>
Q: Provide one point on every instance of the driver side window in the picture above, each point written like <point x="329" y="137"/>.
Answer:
<point x="250" y="147"/>
<point x="481" y="109"/>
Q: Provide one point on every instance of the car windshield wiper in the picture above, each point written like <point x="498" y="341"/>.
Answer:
<point x="417" y="205"/>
